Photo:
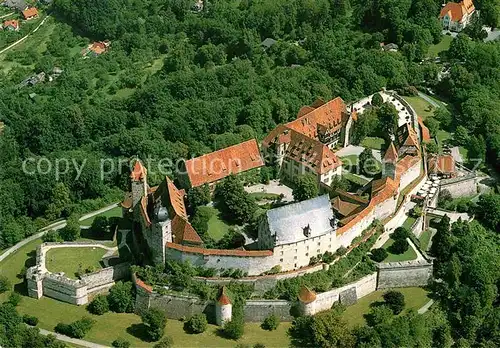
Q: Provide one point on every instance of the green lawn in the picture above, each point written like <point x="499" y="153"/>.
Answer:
<point x="355" y="179"/>
<point x="259" y="196"/>
<point x="373" y="143"/>
<point x="115" y="212"/>
<point x="464" y="153"/>
<point x="407" y="256"/>
<point x="217" y="227"/>
<point x="425" y="239"/>
<point x="409" y="222"/>
<point x="444" y="45"/>
<point x="443" y="136"/>
<point x="422" y="107"/>
<point x="70" y="260"/>
<point x="415" y="298"/>
<point x="110" y="326"/>
<point x="350" y="162"/>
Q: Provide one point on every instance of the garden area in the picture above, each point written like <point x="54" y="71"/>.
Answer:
<point x="74" y="261"/>
<point x="373" y="143"/>
<point x="443" y="45"/>
<point x="116" y="212"/>
<point x="425" y="239"/>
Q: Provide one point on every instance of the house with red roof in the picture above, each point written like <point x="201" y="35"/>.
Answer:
<point x="96" y="49"/>
<point x="442" y="165"/>
<point x="215" y="166"/>
<point x="305" y="145"/>
<point x="12" y="25"/>
<point x="455" y="16"/>
<point x="30" y="13"/>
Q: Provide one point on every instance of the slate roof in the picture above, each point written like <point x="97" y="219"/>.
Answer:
<point x="287" y="223"/>
<point x="17" y="4"/>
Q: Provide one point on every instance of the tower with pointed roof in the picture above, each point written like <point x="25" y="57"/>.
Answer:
<point x="139" y="182"/>
<point x="307" y="301"/>
<point x="223" y="308"/>
<point x="389" y="161"/>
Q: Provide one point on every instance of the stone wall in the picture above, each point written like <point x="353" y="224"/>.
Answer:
<point x="460" y="187"/>
<point x="258" y="310"/>
<point x="418" y="227"/>
<point x="404" y="274"/>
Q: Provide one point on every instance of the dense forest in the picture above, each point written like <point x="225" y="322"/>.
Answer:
<point x="198" y="81"/>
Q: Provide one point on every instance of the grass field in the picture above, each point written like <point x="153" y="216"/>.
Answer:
<point x="407" y="256"/>
<point x="409" y="222"/>
<point x="373" y="143"/>
<point x="115" y="212"/>
<point x="444" y="45"/>
<point x="110" y="326"/>
<point x="350" y="162"/>
<point x="422" y="107"/>
<point x="425" y="239"/>
<point x="259" y="196"/>
<point x="70" y="260"/>
<point x="217" y="227"/>
<point x="415" y="298"/>
<point x="355" y="179"/>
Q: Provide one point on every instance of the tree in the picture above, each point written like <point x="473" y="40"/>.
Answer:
<point x="431" y="147"/>
<point x="377" y="100"/>
<point x="100" y="225"/>
<point x="51" y="237"/>
<point x="234" y="329"/>
<point x="120" y="343"/>
<point x="379" y="255"/>
<point x="200" y="221"/>
<point x="234" y="201"/>
<point x="4" y="284"/>
<point x="444" y="197"/>
<point x="99" y="305"/>
<point x="400" y="233"/>
<point x="443" y="116"/>
<point x="461" y="135"/>
<point x="460" y="47"/>
<point x="388" y="118"/>
<point x="196" y="324"/>
<point x="368" y="164"/>
<point x="271" y="322"/>
<point x="379" y="315"/>
<point x="488" y="211"/>
<point x="395" y="300"/>
<point x="400" y="246"/>
<point x="477" y="149"/>
<point x="198" y="196"/>
<point x="329" y="330"/>
<point x="30" y="320"/>
<point x="166" y="342"/>
<point x="433" y="125"/>
<point x="77" y="329"/>
<point x="305" y="187"/>
<point x="60" y="201"/>
<point x="71" y="231"/>
<point x="14" y="299"/>
<point x="155" y="321"/>
<point x="121" y="297"/>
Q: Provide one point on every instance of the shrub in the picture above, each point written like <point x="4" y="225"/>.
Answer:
<point x="379" y="315"/>
<point x="120" y="343"/>
<point x="71" y="231"/>
<point x="99" y="305"/>
<point x="400" y="233"/>
<point x="155" y="321"/>
<point x="259" y="345"/>
<point x="77" y="329"/>
<point x="100" y="226"/>
<point x="51" y="237"/>
<point x="166" y="342"/>
<point x="30" y="320"/>
<point x="379" y="254"/>
<point x="234" y="329"/>
<point x="341" y="251"/>
<point x="14" y="298"/>
<point x="196" y="324"/>
<point x="4" y="284"/>
<point x="121" y="297"/>
<point x="270" y="323"/>
<point x="328" y="257"/>
<point x="395" y="301"/>
<point x="400" y="246"/>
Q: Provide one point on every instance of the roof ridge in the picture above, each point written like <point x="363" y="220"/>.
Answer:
<point x="225" y="148"/>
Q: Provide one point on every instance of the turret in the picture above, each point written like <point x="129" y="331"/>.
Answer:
<point x="139" y="184"/>
<point x="307" y="300"/>
<point x="223" y="308"/>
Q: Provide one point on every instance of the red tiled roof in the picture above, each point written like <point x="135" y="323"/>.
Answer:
<point x="426" y="135"/>
<point x="223" y="299"/>
<point x="12" y="23"/>
<point x="143" y="285"/>
<point x="219" y="164"/>
<point x="444" y="164"/>
<point x="457" y="11"/>
<point x="222" y="252"/>
<point x="30" y="12"/>
<point x="139" y="172"/>
<point x="344" y="208"/>
<point x="127" y="201"/>
<point x="144" y="210"/>
<point x="176" y="197"/>
<point x="184" y="232"/>
<point x="405" y="164"/>
<point x="306" y="295"/>
<point x="411" y="139"/>
<point x="391" y="155"/>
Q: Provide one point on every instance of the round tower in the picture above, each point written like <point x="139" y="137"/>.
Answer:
<point x="307" y="300"/>
<point x="223" y="308"/>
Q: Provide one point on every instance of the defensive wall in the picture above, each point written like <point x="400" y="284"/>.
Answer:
<point x="462" y="186"/>
<point x="404" y="274"/>
<point x="41" y="282"/>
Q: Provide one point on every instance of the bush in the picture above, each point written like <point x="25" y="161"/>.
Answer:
<point x="4" y="284"/>
<point x="166" y="342"/>
<point x="196" y="324"/>
<point x="77" y="329"/>
<point x="51" y="237"/>
<point x="400" y="246"/>
<point x="30" y="320"/>
<point x="121" y="297"/>
<point x="328" y="257"/>
<point x="270" y="323"/>
<point x="379" y="254"/>
<point x="379" y="315"/>
<point x="120" y="343"/>
<point x="395" y="301"/>
<point x="155" y="321"/>
<point x="400" y="233"/>
<point x="234" y="329"/>
<point x="341" y="251"/>
<point x="14" y="298"/>
<point x="72" y="230"/>
<point x="259" y="345"/>
<point x="100" y="226"/>
<point x="99" y="305"/>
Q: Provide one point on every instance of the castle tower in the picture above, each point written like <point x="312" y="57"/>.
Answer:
<point x="139" y="183"/>
<point x="389" y="161"/>
<point x="223" y="308"/>
<point x="307" y="300"/>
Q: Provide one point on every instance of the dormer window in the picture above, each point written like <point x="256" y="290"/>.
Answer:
<point x="333" y="222"/>
<point x="307" y="231"/>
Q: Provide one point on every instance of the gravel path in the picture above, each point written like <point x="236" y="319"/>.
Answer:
<point x="71" y="340"/>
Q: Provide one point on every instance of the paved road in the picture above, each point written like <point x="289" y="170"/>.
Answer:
<point x="272" y="187"/>
<point x="24" y="37"/>
<point x="7" y="15"/>
<point x="350" y="150"/>
<point x="426" y="307"/>
<point x="55" y="226"/>
<point x="71" y="340"/>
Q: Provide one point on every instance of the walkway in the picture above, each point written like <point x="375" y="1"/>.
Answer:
<point x="67" y="339"/>
<point x="55" y="226"/>
<point x="24" y="37"/>
<point x="454" y="216"/>
<point x="425" y="307"/>
<point x="455" y="153"/>
<point x="272" y="187"/>
<point x="7" y="15"/>
<point x="428" y="99"/>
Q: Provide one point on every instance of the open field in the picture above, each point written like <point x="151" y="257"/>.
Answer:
<point x="422" y="107"/>
<point x="407" y="256"/>
<point x="444" y="45"/>
<point x="115" y="212"/>
<point x="373" y="143"/>
<point x="71" y="260"/>
<point x="354" y="315"/>
<point x="425" y="239"/>
<point x="409" y="222"/>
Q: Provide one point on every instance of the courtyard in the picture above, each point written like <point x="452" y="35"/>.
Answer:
<point x="74" y="261"/>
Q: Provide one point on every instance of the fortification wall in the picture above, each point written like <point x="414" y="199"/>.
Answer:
<point x="410" y="175"/>
<point x="460" y="187"/>
<point x="418" y="227"/>
<point x="404" y="274"/>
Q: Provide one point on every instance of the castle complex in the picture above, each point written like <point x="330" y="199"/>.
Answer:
<point x="290" y="235"/>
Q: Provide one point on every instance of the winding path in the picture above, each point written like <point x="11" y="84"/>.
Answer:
<point x="24" y="37"/>
<point x="71" y="340"/>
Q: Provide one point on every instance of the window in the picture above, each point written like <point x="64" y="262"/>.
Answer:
<point x="295" y="257"/>
<point x="318" y="251"/>
<point x="319" y="243"/>
<point x="307" y="247"/>
<point x="295" y="250"/>
<point x="307" y="254"/>
<point x="281" y="260"/>
<point x="281" y="253"/>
